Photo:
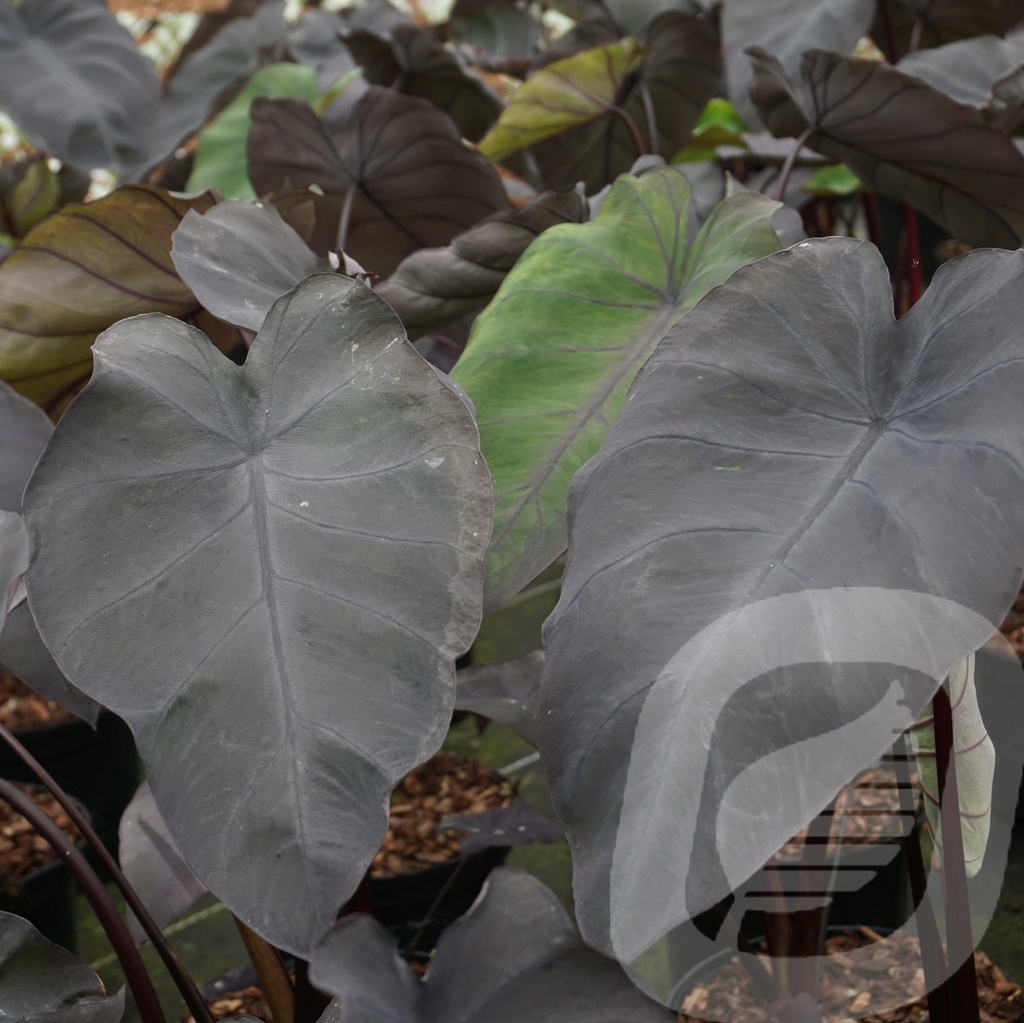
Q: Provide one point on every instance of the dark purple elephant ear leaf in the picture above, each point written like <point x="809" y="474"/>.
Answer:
<point x="42" y="981"/>
<point x="902" y="137"/>
<point x="432" y="287"/>
<point x="923" y="24"/>
<point x="395" y="177"/>
<point x="412" y="60"/>
<point x="75" y="81"/>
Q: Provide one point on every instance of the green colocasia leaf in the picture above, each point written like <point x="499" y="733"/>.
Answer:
<point x="975" y="767"/>
<point x="835" y="180"/>
<point x="268" y="571"/>
<point x="562" y="96"/>
<point x="719" y="125"/>
<point x="29" y="191"/>
<point x="551" y="358"/>
<point x="221" y="160"/>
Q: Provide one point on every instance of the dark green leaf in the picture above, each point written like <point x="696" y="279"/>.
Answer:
<point x="551" y="358"/>
<point x="42" y="981"/>
<point x="239" y="258"/>
<point x="78" y="272"/>
<point x="805" y="516"/>
<point x="29" y="191"/>
<point x="75" y="81"/>
<point x="397" y="164"/>
<point x="432" y="287"/>
<point x="282" y="645"/>
<point x="903" y="138"/>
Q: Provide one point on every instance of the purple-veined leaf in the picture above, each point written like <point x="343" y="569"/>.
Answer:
<point x="412" y="60"/>
<point x="322" y="515"/>
<point x="432" y="287"/>
<point x="75" y="81"/>
<point x="395" y="176"/>
<point x="785" y="28"/>
<point x="901" y="137"/>
<point x="78" y="272"/>
<point x="806" y="514"/>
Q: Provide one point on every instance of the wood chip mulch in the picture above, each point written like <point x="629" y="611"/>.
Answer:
<point x="247" y="1001"/>
<point x="20" y="707"/>
<point x="22" y="850"/>
<point x="893" y="974"/>
<point x="445" y="785"/>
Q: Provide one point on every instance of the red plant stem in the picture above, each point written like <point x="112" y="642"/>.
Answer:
<point x="184" y="983"/>
<point x="634" y="131"/>
<point x="915" y="275"/>
<point x="963" y="982"/>
<point x="106" y="911"/>
<point x="787" y="167"/>
<point x="273" y="977"/>
<point x="933" y="956"/>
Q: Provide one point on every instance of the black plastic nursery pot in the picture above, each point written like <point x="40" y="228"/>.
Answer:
<point x="407" y="904"/>
<point x="98" y="767"/>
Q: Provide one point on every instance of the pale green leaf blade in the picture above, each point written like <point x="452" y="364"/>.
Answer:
<point x="551" y="359"/>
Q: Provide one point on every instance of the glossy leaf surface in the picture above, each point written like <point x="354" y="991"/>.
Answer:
<point x="551" y="358"/>
<point x="239" y="258"/>
<point x="514" y="956"/>
<point x="220" y="160"/>
<point x="282" y="646"/>
<point x="78" y="272"/>
<point x="797" y="526"/>
<point x="75" y="81"/>
<point x="42" y="981"/>
<point x="786" y="29"/>
<point x="903" y="138"/>
<point x="432" y="287"/>
<point x="397" y="163"/>
<point x="663" y="100"/>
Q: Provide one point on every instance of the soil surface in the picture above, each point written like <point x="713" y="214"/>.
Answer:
<point x="445" y="785"/>
<point x="890" y="974"/>
<point x="20" y="707"/>
<point x="21" y="849"/>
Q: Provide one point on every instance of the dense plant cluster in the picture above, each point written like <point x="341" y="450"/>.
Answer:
<point x="383" y="318"/>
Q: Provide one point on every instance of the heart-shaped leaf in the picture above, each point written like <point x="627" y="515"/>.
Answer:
<point x="505" y="692"/>
<point x="75" y="81"/>
<point x="785" y="28"/>
<point x="230" y="56"/>
<point x="42" y="981"/>
<point x="306" y="534"/>
<point x="805" y="516"/>
<point x="396" y="176"/>
<point x="220" y="160"/>
<point x="551" y="358"/>
<point x="975" y="767"/>
<point x="514" y="956"/>
<point x="432" y="287"/>
<point x="412" y="60"/>
<point x="516" y="824"/>
<point x="923" y="24"/>
<point x="239" y="258"/>
<point x="903" y="138"/>
<point x="78" y="272"/>
<point x="660" y="102"/>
